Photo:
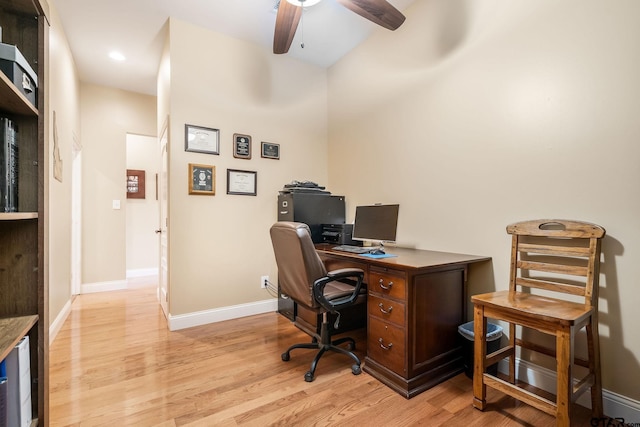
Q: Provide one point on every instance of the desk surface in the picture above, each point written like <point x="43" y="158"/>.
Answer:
<point x="408" y="258"/>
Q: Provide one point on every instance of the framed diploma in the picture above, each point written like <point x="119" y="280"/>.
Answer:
<point x="270" y="150"/>
<point x="202" y="179"/>
<point x="241" y="146"/>
<point x="242" y="182"/>
<point x="201" y="140"/>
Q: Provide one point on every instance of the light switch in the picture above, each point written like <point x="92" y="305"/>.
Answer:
<point x="116" y="204"/>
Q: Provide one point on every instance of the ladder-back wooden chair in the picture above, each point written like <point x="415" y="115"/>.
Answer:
<point x="553" y="288"/>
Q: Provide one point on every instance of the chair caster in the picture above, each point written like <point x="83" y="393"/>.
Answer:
<point x="356" y="370"/>
<point x="308" y="377"/>
<point x="285" y="357"/>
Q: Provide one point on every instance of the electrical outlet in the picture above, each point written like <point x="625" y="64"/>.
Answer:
<point x="264" y="280"/>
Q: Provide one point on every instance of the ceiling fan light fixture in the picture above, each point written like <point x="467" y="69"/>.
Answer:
<point x="303" y="3"/>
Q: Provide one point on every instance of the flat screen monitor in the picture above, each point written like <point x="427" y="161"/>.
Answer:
<point x="376" y="223"/>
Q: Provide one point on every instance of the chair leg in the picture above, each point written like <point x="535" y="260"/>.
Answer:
<point x="286" y="355"/>
<point x="309" y="376"/>
<point x="480" y="354"/>
<point x="593" y="343"/>
<point x="512" y="357"/>
<point x="564" y="361"/>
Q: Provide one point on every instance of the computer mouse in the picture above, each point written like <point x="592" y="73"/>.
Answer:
<point x="377" y="252"/>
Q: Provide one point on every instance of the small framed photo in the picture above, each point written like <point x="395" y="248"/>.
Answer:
<point x="135" y="184"/>
<point x="270" y="150"/>
<point x="202" y="179"/>
<point x="201" y="140"/>
<point x="242" y="182"/>
<point x="241" y="146"/>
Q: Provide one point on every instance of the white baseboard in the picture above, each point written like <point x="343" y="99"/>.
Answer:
<point x="615" y="405"/>
<point x="115" y="285"/>
<point x="183" y="321"/>
<point x="56" y="325"/>
<point x="142" y="272"/>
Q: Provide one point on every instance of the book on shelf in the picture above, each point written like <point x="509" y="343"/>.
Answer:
<point x="4" y="391"/>
<point x="8" y="165"/>
<point x="19" y="412"/>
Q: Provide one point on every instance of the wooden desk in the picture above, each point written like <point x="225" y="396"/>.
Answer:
<point x="416" y="301"/>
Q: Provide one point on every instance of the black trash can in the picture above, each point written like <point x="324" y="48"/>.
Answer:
<point x="494" y="333"/>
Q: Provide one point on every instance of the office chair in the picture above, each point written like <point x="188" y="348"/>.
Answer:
<point x="559" y="258"/>
<point x="303" y="278"/>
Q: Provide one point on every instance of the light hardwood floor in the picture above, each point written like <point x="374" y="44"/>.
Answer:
<point x="114" y="363"/>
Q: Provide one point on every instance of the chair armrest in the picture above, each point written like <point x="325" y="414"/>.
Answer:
<point x="355" y="276"/>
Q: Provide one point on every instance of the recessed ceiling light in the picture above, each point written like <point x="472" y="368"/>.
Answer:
<point x="117" y="56"/>
<point x="305" y="3"/>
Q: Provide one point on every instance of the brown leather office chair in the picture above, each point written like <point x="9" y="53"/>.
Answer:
<point x="561" y="258"/>
<point x="303" y="278"/>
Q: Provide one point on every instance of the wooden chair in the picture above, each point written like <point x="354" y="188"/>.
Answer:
<point x="548" y="257"/>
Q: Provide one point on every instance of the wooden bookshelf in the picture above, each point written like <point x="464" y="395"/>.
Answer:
<point x="24" y="295"/>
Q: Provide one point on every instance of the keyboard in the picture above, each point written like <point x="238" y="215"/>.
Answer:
<point x="355" y="249"/>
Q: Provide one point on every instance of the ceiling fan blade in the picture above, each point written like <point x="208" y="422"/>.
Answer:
<point x="380" y="12"/>
<point x="286" y="24"/>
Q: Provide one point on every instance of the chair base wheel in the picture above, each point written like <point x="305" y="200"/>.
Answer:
<point x="285" y="357"/>
<point x="356" y="370"/>
<point x="308" y="377"/>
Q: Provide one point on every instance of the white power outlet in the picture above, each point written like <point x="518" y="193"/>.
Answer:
<point x="264" y="280"/>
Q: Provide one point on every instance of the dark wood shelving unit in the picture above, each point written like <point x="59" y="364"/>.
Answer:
<point x="24" y="301"/>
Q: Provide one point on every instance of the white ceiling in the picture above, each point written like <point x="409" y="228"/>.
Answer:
<point x="96" y="27"/>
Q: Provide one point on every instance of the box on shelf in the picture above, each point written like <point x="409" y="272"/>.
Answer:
<point x="18" y="70"/>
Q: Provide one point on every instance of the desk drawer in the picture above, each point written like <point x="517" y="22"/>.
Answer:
<point x="386" y="309"/>
<point x="391" y="283"/>
<point x="386" y="345"/>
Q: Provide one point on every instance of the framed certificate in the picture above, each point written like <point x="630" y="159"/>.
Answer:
<point x="202" y="179"/>
<point x="241" y="146"/>
<point x="201" y="140"/>
<point x="269" y="150"/>
<point x="242" y="182"/>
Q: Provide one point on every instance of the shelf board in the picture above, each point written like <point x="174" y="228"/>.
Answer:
<point x="12" y="329"/>
<point x="12" y="216"/>
<point x="11" y="100"/>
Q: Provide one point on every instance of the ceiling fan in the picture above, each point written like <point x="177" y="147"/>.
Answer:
<point x="379" y="12"/>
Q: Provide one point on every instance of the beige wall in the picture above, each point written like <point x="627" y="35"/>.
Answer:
<point x="107" y="116"/>
<point x="64" y="101"/>
<point x="219" y="245"/>
<point x="477" y="114"/>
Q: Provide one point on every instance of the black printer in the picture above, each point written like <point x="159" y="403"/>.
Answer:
<point x="339" y="234"/>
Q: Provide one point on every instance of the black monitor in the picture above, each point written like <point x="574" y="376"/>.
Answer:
<point x="376" y="223"/>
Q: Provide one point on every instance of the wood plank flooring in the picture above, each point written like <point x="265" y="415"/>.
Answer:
<point x="115" y="363"/>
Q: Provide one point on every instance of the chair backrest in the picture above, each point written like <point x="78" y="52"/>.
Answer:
<point x="556" y="255"/>
<point x="299" y="265"/>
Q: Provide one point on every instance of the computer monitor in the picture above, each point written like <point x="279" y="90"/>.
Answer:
<point x="376" y="223"/>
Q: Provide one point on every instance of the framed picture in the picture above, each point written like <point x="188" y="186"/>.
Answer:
<point x="202" y="179"/>
<point x="270" y="150"/>
<point x="242" y="182"/>
<point x="201" y="140"/>
<point x="135" y="184"/>
<point x="241" y="146"/>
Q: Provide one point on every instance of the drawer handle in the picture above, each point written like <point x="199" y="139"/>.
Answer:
<point x="386" y="288"/>
<point x="385" y="347"/>
<point x="388" y="311"/>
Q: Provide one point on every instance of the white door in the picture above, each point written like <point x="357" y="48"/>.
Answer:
<point x="163" y="228"/>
